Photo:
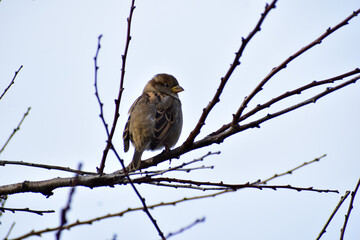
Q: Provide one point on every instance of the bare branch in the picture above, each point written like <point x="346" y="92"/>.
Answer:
<point x="15" y="130"/>
<point x="353" y="193"/>
<point x="342" y="199"/>
<point x="119" y="214"/>
<point x="39" y="212"/>
<point x="285" y="95"/>
<point x="96" y="88"/>
<point x="47" y="186"/>
<point x="230" y="186"/>
<point x="142" y="199"/>
<point x="224" y="80"/>
<point x="49" y="167"/>
<point x="121" y="89"/>
<point x="181" y="167"/>
<point x="283" y="65"/>
<point x="191" y="186"/>
<point x="11" y="83"/>
<point x="11" y="228"/>
<point x="67" y="207"/>
<point x="297" y="91"/>
<point x="289" y="171"/>
<point x="197" y="221"/>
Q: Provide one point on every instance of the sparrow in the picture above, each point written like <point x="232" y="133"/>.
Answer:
<point x="155" y="118"/>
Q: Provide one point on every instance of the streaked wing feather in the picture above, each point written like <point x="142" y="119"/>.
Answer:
<point x="164" y="119"/>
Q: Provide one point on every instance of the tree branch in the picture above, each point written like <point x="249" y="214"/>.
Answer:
<point x="289" y="171"/>
<point x="342" y="199"/>
<point x="197" y="221"/>
<point x="353" y="193"/>
<point x="63" y="219"/>
<point x="15" y="130"/>
<point x="12" y="82"/>
<point x="96" y="88"/>
<point x="229" y="186"/>
<point x="49" y="167"/>
<point x="283" y="65"/>
<point x="118" y="214"/>
<point x="285" y="95"/>
<point x="13" y="210"/>
<point x="236" y="62"/>
<point x="142" y="199"/>
<point x="46" y="187"/>
<point x="121" y="89"/>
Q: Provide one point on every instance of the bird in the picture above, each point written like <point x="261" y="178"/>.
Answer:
<point x="155" y="118"/>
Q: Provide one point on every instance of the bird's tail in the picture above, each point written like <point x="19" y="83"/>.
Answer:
<point x="136" y="161"/>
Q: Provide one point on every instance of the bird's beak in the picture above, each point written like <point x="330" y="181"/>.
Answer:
<point x="177" y="89"/>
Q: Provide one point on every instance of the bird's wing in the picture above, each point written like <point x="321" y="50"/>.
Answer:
<point x="164" y="118"/>
<point x="126" y="133"/>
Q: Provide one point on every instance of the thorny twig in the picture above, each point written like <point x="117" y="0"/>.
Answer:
<point x="118" y="214"/>
<point x="39" y="212"/>
<point x="284" y="64"/>
<point x="46" y="166"/>
<point x="342" y="199"/>
<point x="236" y="62"/>
<point x="145" y="207"/>
<point x="96" y="88"/>
<point x="353" y="193"/>
<point x="11" y="228"/>
<point x="229" y="186"/>
<point x="289" y="171"/>
<point x="121" y="89"/>
<point x="181" y="167"/>
<point x="197" y="221"/>
<point x="67" y="207"/>
<point x="15" y="130"/>
<point x="286" y="95"/>
<point x="11" y="83"/>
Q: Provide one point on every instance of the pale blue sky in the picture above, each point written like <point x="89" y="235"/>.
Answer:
<point x="195" y="41"/>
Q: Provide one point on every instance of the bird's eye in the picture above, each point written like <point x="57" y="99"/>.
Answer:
<point x="166" y="85"/>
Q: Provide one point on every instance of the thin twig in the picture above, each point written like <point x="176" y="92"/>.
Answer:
<point x="181" y="167"/>
<point x="142" y="199"/>
<point x="353" y="193"/>
<point x="121" y="89"/>
<point x="119" y="214"/>
<point x="15" y="130"/>
<point x="284" y="64"/>
<point x="39" y="212"/>
<point x="313" y="99"/>
<point x="67" y="207"/>
<point x="10" y="229"/>
<point x="191" y="186"/>
<point x="286" y="95"/>
<point x="187" y="170"/>
<point x="197" y="221"/>
<point x="289" y="171"/>
<point x="49" y="167"/>
<point x="11" y="83"/>
<point x="230" y="186"/>
<point x="296" y="92"/>
<point x="224" y="80"/>
<point x="96" y="88"/>
<point x="342" y="199"/>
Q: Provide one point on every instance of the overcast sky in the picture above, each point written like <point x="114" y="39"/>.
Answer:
<point x="195" y="41"/>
